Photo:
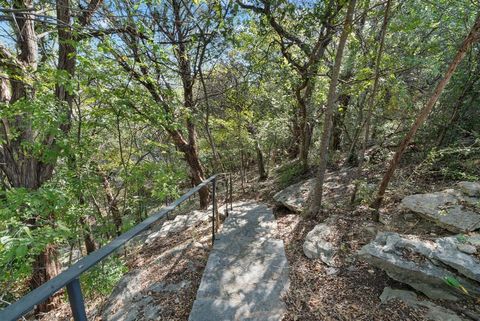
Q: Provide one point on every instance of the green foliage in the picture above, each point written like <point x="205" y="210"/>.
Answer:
<point x="365" y="192"/>
<point x="453" y="163"/>
<point x="101" y="279"/>
<point x="289" y="174"/>
<point x="29" y="221"/>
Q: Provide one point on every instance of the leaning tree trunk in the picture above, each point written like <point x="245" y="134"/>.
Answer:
<point x="315" y="197"/>
<point x="471" y="38"/>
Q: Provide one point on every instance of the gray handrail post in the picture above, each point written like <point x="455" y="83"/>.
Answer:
<point x="75" y="297"/>
<point x="214" y="186"/>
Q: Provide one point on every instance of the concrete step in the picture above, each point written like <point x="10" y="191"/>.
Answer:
<point x="247" y="270"/>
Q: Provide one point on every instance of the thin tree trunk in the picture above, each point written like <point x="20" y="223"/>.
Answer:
<point x="471" y="38"/>
<point x="371" y="101"/>
<point x="315" y="197"/>
<point x="88" y="238"/>
<point x="262" y="173"/>
<point x="304" y="97"/>
<point x="216" y="155"/>
<point x="112" y="204"/>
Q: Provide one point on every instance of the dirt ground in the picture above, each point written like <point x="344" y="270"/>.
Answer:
<point x="352" y="291"/>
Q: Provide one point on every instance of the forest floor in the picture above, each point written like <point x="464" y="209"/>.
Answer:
<point x="352" y="290"/>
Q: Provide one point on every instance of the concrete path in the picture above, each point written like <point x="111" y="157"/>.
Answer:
<point x="247" y="270"/>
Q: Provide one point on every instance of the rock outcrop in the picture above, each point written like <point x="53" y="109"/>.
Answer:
<point x="179" y="223"/>
<point x="457" y="210"/>
<point x="439" y="269"/>
<point x="433" y="311"/>
<point x="294" y="197"/>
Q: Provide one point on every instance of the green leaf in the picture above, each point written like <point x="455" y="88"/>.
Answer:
<point x="21" y="251"/>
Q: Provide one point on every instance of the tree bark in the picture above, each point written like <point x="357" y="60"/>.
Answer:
<point x="371" y="101"/>
<point x="471" y="38"/>
<point x="112" y="204"/>
<point x="304" y="98"/>
<point x="315" y="197"/>
<point x="45" y="268"/>
<point x="262" y="172"/>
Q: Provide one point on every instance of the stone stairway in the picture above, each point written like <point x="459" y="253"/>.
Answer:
<point x="247" y="270"/>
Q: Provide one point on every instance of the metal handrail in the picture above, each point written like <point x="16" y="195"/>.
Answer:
<point x="70" y="277"/>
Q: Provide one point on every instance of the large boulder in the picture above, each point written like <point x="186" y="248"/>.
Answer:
<point x="439" y="269"/>
<point x="320" y="242"/>
<point x="455" y="210"/>
<point x="295" y="196"/>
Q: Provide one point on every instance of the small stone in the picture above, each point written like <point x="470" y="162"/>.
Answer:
<point x="331" y="271"/>
<point x="409" y="216"/>
<point x="371" y="271"/>
<point x="369" y="230"/>
<point x="467" y="248"/>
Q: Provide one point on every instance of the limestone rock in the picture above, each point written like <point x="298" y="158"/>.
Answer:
<point x="434" y="312"/>
<point x="425" y="265"/>
<point x="178" y="224"/>
<point x="467" y="248"/>
<point x="318" y="243"/>
<point x="450" y="209"/>
<point x="295" y="196"/>
<point x="470" y="188"/>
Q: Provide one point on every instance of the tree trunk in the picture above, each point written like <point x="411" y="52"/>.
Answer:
<point x="471" y="38"/>
<point x="338" y="118"/>
<point x="189" y="149"/>
<point x="262" y="173"/>
<point x="112" y="204"/>
<point x="304" y="97"/>
<point x="315" y="197"/>
<point x="88" y="238"/>
<point x="371" y="101"/>
<point x="46" y="267"/>
<point x="190" y="153"/>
